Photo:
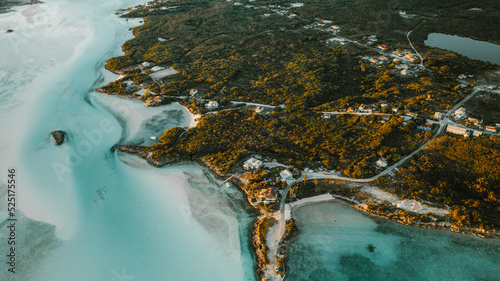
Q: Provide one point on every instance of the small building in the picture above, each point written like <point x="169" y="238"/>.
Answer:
<point x="477" y="133"/>
<point x="425" y="127"/>
<point x="382" y="162"/>
<point x="157" y="68"/>
<point x="458" y="131"/>
<point x="252" y="164"/>
<point x="158" y="99"/>
<point x="398" y="53"/>
<point x="460" y="113"/>
<point x="383" y="47"/>
<point x="269" y="195"/>
<point x="395" y="110"/>
<point x="212" y="105"/>
<point x="259" y="109"/>
<point x="411" y="57"/>
<point x="286" y="175"/>
<point x="146" y="64"/>
<point x="412" y="114"/>
<point x="474" y="121"/>
<point x="193" y="92"/>
<point x="438" y="115"/>
<point x="491" y="129"/>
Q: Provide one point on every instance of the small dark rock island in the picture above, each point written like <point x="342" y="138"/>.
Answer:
<point x="59" y="137"/>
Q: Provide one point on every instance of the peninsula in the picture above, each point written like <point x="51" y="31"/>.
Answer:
<point x="304" y="102"/>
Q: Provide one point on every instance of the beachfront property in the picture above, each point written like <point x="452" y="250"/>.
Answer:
<point x="458" y="131"/>
<point x="268" y="195"/>
<point x="286" y="175"/>
<point x="382" y="162"/>
<point x="212" y="105"/>
<point x="252" y="164"/>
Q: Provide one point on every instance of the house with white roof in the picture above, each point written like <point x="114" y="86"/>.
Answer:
<point x="382" y="162"/>
<point x="157" y="68"/>
<point x="146" y="64"/>
<point x="438" y="115"/>
<point x="460" y="113"/>
<point x="212" y="105"/>
<point x="252" y="164"/>
<point x="286" y="175"/>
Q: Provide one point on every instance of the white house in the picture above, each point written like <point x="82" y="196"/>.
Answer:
<point x="382" y="162"/>
<point x="157" y="68"/>
<point x="146" y="64"/>
<point x="286" y="175"/>
<point x="252" y="164"/>
<point x="460" y="113"/>
<point x="212" y="105"/>
<point x="476" y="133"/>
<point x="268" y="195"/>
<point x="438" y="116"/>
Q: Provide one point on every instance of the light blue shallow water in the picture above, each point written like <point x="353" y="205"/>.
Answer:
<point x="334" y="241"/>
<point x="103" y="215"/>
<point x="474" y="49"/>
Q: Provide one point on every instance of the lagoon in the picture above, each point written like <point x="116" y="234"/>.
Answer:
<point x="474" y="49"/>
<point x="337" y="242"/>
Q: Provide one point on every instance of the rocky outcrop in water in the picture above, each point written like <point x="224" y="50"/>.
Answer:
<point x="59" y="137"/>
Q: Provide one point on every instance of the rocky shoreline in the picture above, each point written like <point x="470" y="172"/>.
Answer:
<point x="259" y="245"/>
<point x="6" y="5"/>
<point x="447" y="226"/>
